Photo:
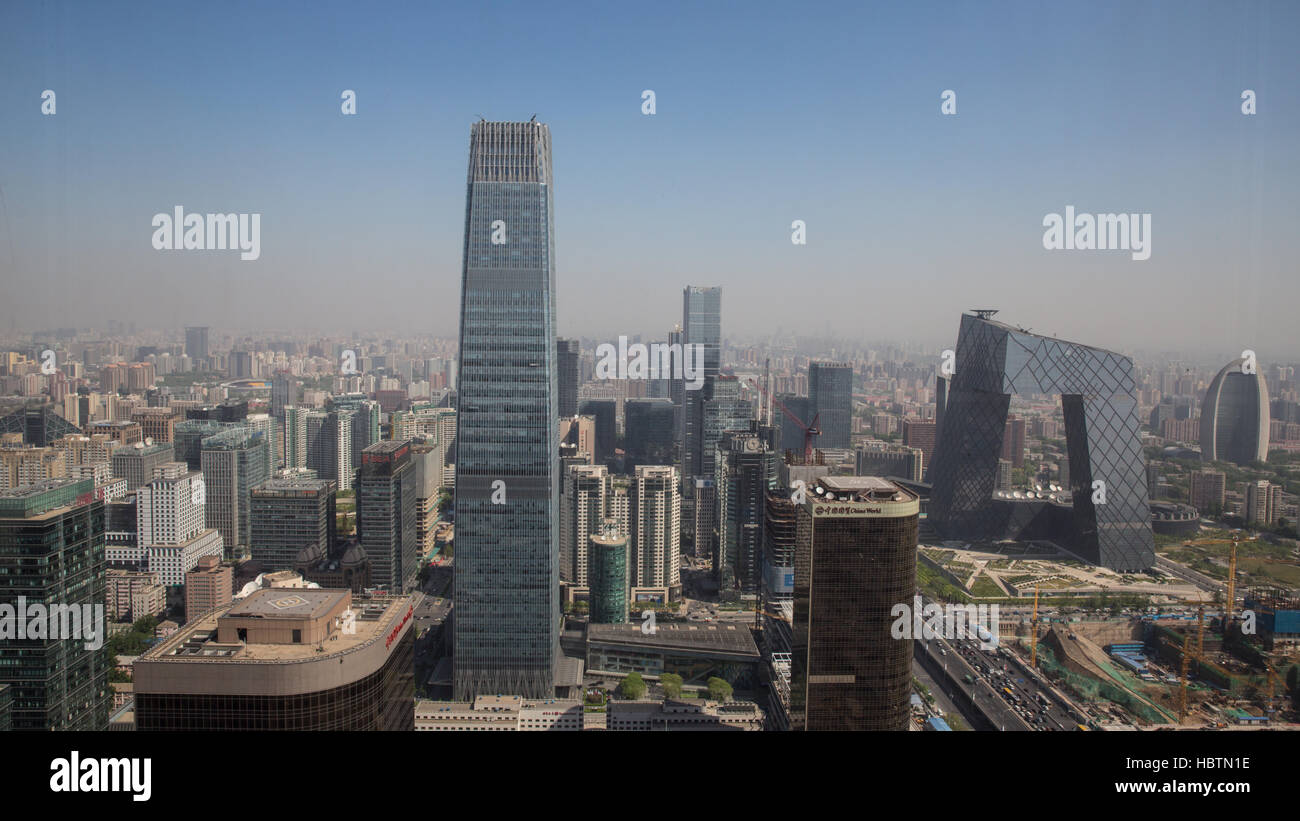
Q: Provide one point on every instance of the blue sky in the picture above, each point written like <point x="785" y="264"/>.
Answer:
<point x="766" y="113"/>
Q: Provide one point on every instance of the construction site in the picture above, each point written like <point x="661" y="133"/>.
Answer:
<point x="1202" y="670"/>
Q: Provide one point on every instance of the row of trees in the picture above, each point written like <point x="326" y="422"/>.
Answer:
<point x="634" y="687"/>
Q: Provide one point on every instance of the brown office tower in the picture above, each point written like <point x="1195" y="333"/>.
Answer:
<point x="208" y="586"/>
<point x="284" y="659"/>
<point x="855" y="560"/>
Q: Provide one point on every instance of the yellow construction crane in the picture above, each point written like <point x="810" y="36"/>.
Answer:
<point x="1232" y="587"/>
<point x="1033" y="642"/>
<point x="1182" y="678"/>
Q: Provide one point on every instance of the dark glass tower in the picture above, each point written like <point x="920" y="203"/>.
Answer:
<point x="568" y="352"/>
<point x="1235" y="417"/>
<point x="830" y="391"/>
<point x="1098" y="398"/>
<point x="507" y="614"/>
<point x="702" y="325"/>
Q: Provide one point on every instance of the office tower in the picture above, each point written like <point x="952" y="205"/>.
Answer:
<point x="830" y="391"/>
<point x="701" y="325"/>
<point x="266" y="425"/>
<point x="855" y="561"/>
<point x="239" y="365"/>
<point x="1263" y="502"/>
<point x="648" y="432"/>
<point x="583" y="510"/>
<point x="301" y="659"/>
<point x="704" y="521"/>
<point x="137" y="463"/>
<point x="125" y="433"/>
<point x="295" y="436"/>
<point x="779" y="543"/>
<point x="196" y="346"/>
<point x="284" y="393"/>
<point x="567" y="354"/>
<point x="655" y="518"/>
<point x="1235" y="417"/>
<point x="677" y="387"/>
<point x="920" y="434"/>
<point x="52" y="553"/>
<point x="187" y="439"/>
<point x="290" y="516"/>
<point x="208" y="585"/>
<point x="507" y="555"/>
<point x="1097" y="390"/>
<point x="725" y="412"/>
<point x="746" y="471"/>
<point x="329" y="447"/>
<point x="791" y="433"/>
<point x="427" y="458"/>
<point x="876" y="458"/>
<point x="1013" y="441"/>
<point x="234" y="462"/>
<point x="609" y="580"/>
<point x="604" y="411"/>
<point x="1207" y="491"/>
<point x="365" y="421"/>
<point x="170" y="507"/>
<point x="386" y="498"/>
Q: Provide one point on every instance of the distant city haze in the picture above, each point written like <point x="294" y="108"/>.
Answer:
<point x="826" y="114"/>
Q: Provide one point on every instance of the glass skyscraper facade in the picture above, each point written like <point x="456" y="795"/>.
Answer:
<point x="1098" y="397"/>
<point x="830" y="391"/>
<point x="702" y="325"/>
<point x="1235" y="416"/>
<point x="507" y="616"/>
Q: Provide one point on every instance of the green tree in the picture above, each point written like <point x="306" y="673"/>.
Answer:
<point x="672" y="684"/>
<point x="719" y="689"/>
<point x="633" y="686"/>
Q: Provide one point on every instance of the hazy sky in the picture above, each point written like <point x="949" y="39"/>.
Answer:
<point x="765" y="113"/>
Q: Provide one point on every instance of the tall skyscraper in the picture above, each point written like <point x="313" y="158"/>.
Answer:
<point x="656" y="512"/>
<point x="582" y="512"/>
<point x="855" y="560"/>
<point x="52" y="553"/>
<point x="508" y="616"/>
<point x="196" y="345"/>
<point x="830" y="391"/>
<point x="701" y="325"/>
<point x="1098" y="398"/>
<point x="234" y="462"/>
<point x="386" y="497"/>
<point x="746" y="471"/>
<point x="567" y="352"/>
<point x="329" y="447"/>
<point x="1235" y="416"/>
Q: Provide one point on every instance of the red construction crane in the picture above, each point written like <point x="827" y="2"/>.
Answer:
<point x="809" y="430"/>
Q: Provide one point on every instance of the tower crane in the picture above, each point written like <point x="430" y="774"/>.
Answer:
<point x="810" y="429"/>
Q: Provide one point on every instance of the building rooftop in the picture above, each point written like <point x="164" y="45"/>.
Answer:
<point x="280" y="603"/>
<point x="376" y="618"/>
<point x="718" y="638"/>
